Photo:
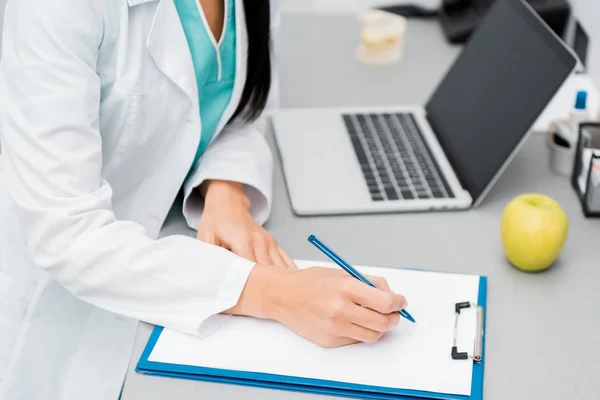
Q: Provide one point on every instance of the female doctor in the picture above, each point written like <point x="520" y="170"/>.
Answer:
<point x="109" y="109"/>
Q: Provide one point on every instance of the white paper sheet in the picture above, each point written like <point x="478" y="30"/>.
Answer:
<point x="413" y="356"/>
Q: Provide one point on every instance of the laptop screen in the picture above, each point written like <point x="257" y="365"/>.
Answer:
<point x="501" y="82"/>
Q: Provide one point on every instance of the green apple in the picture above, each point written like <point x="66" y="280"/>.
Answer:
<point x="534" y="229"/>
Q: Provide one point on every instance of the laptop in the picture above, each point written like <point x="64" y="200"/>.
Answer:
<point x="446" y="154"/>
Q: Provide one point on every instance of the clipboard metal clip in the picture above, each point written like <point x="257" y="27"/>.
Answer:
<point x="478" y="345"/>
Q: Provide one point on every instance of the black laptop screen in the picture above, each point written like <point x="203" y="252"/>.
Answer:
<point x="501" y="82"/>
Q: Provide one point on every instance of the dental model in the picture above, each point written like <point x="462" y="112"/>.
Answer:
<point x="382" y="37"/>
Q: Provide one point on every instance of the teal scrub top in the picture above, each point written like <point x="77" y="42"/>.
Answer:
<point x="214" y="64"/>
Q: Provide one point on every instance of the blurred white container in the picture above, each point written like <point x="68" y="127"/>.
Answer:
<point x="382" y="37"/>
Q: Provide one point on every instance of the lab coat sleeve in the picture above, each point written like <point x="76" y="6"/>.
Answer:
<point x="52" y="156"/>
<point x="241" y="154"/>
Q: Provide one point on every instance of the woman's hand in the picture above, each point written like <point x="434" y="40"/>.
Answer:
<point x="323" y="305"/>
<point x="227" y="222"/>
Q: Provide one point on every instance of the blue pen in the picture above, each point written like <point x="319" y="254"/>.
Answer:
<point x="348" y="268"/>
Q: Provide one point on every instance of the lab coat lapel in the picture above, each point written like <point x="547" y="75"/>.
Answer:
<point x="168" y="47"/>
<point x="240" y="65"/>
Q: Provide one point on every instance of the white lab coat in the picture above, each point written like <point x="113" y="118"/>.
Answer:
<point x="99" y="127"/>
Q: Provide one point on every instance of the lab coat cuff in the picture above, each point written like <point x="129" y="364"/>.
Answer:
<point x="230" y="290"/>
<point x="258" y="191"/>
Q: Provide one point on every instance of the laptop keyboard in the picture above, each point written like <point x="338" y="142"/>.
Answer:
<point x="395" y="160"/>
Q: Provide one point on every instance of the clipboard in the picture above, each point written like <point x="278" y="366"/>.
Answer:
<point x="328" y="387"/>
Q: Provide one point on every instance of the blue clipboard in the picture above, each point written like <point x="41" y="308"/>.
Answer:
<point x="306" y="385"/>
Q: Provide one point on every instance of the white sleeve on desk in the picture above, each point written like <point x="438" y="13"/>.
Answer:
<point x="239" y="154"/>
<point x="229" y="292"/>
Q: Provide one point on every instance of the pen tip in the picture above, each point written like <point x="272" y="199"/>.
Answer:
<point x="311" y="238"/>
<point x="408" y="316"/>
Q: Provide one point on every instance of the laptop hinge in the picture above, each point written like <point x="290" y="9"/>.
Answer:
<point x="452" y="162"/>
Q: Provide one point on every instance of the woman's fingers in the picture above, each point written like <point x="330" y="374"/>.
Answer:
<point x="286" y="258"/>
<point x="360" y="333"/>
<point x="376" y="299"/>
<point x="359" y="323"/>
<point x="208" y="237"/>
<point x="244" y="249"/>
<point x="346" y="312"/>
<point x="279" y="257"/>
<point x="337" y="341"/>
<point x="373" y="320"/>
<point x="261" y="250"/>
<point x="268" y="252"/>
<point x="380" y="282"/>
<point x="276" y="256"/>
